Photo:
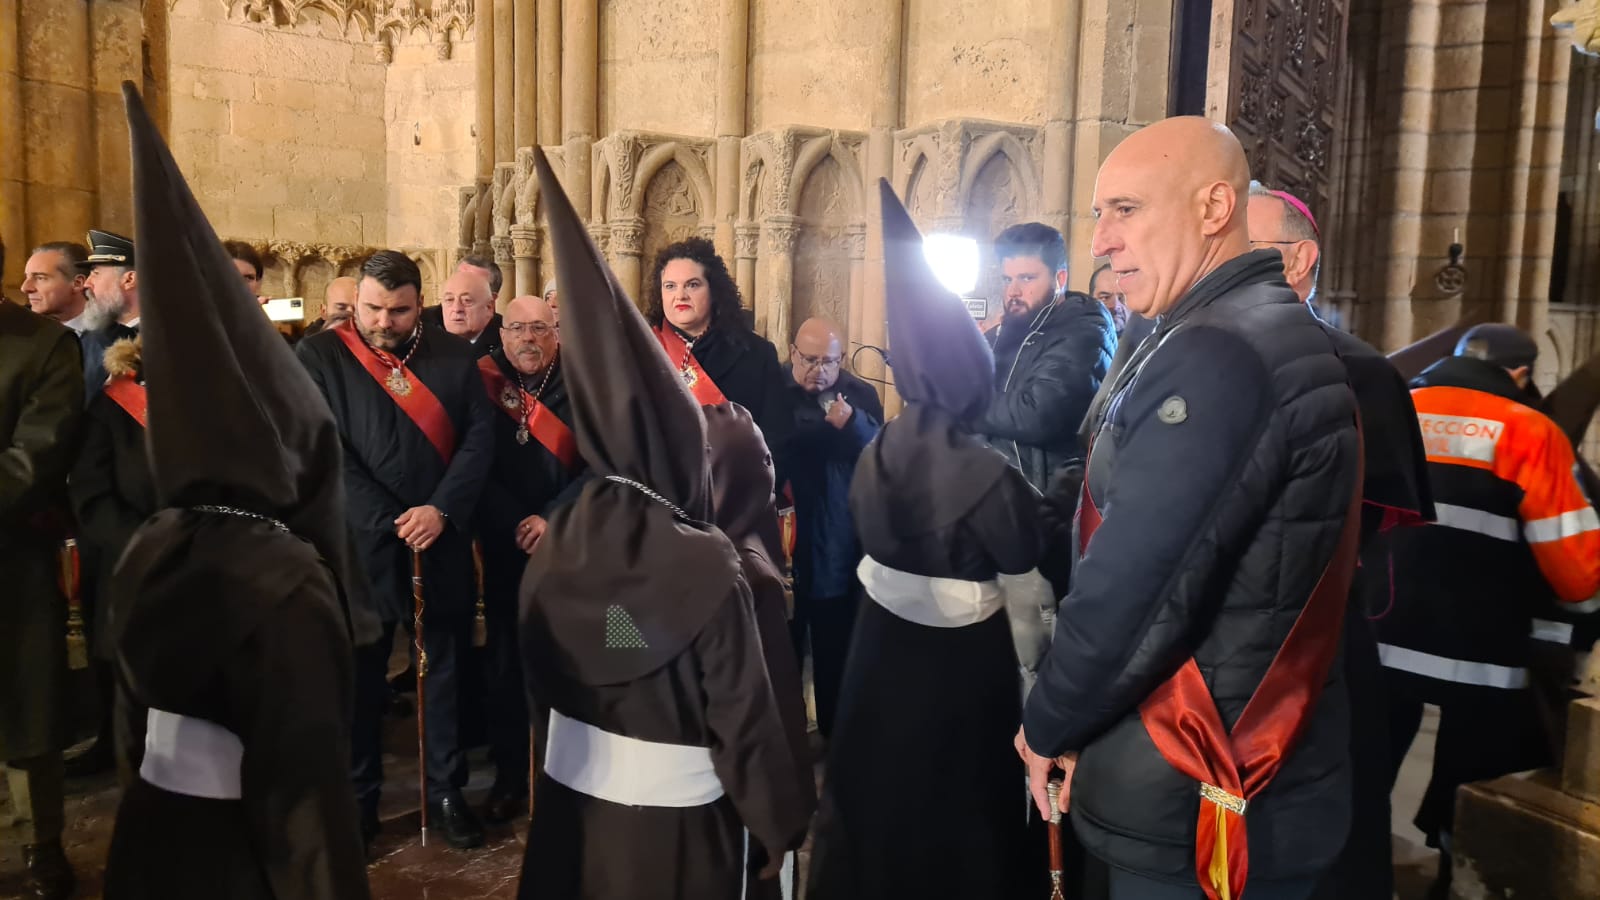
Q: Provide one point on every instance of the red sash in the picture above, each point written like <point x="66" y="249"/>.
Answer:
<point x="1232" y="768"/>
<point x="543" y="424"/>
<point x="417" y="402"/>
<point x="705" y="391"/>
<point x="131" y="396"/>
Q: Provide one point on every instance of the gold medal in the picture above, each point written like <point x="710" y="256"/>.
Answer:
<point x="522" y="433"/>
<point x="398" y="383"/>
<point x="511" y="398"/>
<point x="690" y="375"/>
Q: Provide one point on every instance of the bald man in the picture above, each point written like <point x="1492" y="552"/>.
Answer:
<point x="1223" y="473"/>
<point x="468" y="305"/>
<point x="536" y="469"/>
<point x="836" y="414"/>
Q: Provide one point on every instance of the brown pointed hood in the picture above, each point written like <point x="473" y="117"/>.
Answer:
<point x="234" y="419"/>
<point x="926" y="470"/>
<point x="628" y="574"/>
<point x="1411" y="359"/>
<point x="742" y="479"/>
<point x="1572" y="404"/>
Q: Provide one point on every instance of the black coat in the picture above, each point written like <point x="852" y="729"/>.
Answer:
<point x="526" y="480"/>
<point x="1045" y="376"/>
<point x="487" y="343"/>
<point x="1224" y="470"/>
<point x="95" y="345"/>
<point x="745" y="368"/>
<point x="820" y="460"/>
<point x="389" y="467"/>
<point x="112" y="494"/>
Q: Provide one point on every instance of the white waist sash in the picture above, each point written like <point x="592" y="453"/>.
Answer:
<point x="193" y="757"/>
<point x="935" y="602"/>
<point x="626" y="770"/>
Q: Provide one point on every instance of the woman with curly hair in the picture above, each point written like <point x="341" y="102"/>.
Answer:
<point x="693" y="305"/>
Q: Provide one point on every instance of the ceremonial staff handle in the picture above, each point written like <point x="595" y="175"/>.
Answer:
<point x="422" y="675"/>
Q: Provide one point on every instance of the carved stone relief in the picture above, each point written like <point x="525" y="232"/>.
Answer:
<point x="671" y="213"/>
<point x="296" y="269"/>
<point x="378" y="21"/>
<point x="994" y="203"/>
<point x="822" y="251"/>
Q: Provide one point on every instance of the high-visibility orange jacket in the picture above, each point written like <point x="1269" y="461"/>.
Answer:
<point x="1514" y="531"/>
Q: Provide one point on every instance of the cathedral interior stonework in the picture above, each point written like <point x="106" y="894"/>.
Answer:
<point x="319" y="130"/>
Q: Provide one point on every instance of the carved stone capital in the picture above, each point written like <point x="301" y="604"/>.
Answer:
<point x="525" y="240"/>
<point x="502" y="249"/>
<point x="441" y="47"/>
<point x="709" y="232"/>
<point x="374" y="20"/>
<point x="382" y="50"/>
<point x="600" y="233"/>
<point x="782" y="233"/>
<point x="746" y="240"/>
<point x="627" y="236"/>
<point x="856" y="239"/>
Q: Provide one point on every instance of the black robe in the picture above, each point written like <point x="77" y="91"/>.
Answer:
<point x="112" y="494"/>
<point x="745" y="368"/>
<point x="389" y="467"/>
<point x="924" y="795"/>
<point x="487" y="343"/>
<point x="526" y="478"/>
<point x="226" y="619"/>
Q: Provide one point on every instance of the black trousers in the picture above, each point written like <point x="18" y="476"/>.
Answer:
<point x="828" y="621"/>
<point x="1483" y="733"/>
<point x="445" y="639"/>
<point x="1126" y="885"/>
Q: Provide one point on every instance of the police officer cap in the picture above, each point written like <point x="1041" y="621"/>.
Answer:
<point x="1507" y="346"/>
<point x="108" y="249"/>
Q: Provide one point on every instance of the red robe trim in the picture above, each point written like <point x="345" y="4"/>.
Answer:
<point x="705" y="391"/>
<point x="542" y="423"/>
<point x="414" y="398"/>
<point x="131" y="396"/>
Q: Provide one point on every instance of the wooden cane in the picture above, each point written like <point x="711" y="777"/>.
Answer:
<point x="1057" y="862"/>
<point x="422" y="675"/>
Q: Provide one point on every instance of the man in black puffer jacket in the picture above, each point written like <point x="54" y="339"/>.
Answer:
<point x="1225" y="456"/>
<point x="1050" y="354"/>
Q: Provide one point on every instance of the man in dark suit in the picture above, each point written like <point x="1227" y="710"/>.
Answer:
<point x="41" y="409"/>
<point x="111" y="313"/>
<point x="418" y="442"/>
<point x="433" y="316"/>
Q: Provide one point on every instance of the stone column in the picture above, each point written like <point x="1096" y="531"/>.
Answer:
<point x="115" y="33"/>
<point x="627" y="245"/>
<point x="483" y="37"/>
<point x="580" y="77"/>
<point x="506" y="261"/>
<point x="13" y="206"/>
<point x="1060" y="127"/>
<point x="525" y="240"/>
<point x="525" y="76"/>
<point x="856" y="240"/>
<point x="548" y="59"/>
<point x="732" y="87"/>
<point x="746" y="241"/>
<point x="505" y="147"/>
<point x="887" y="67"/>
<point x="782" y="234"/>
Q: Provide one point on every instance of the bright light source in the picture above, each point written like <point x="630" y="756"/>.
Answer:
<point x="954" y="260"/>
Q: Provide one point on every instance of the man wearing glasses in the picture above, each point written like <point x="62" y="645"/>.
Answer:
<point x="536" y="468"/>
<point x="836" y="414"/>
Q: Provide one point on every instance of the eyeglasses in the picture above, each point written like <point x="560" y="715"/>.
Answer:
<point x="532" y="329"/>
<point x="815" y="362"/>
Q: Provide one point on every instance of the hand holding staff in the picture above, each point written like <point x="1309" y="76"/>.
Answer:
<point x="1057" y="863"/>
<point x="422" y="674"/>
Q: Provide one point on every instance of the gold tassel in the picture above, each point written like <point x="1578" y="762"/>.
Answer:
<point x="77" y="645"/>
<point x="1219" y="857"/>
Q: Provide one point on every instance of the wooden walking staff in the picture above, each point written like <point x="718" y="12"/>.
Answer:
<point x="422" y="674"/>
<point x="1057" y="862"/>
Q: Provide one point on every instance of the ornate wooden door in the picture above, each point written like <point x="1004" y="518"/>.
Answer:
<point x="1280" y="82"/>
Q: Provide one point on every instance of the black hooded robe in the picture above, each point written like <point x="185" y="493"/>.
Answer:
<point x="955" y="689"/>
<point x="269" y="660"/>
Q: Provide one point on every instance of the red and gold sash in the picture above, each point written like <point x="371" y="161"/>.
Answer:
<point x="542" y="423"/>
<point x="1233" y="767"/>
<point x="131" y="396"/>
<point x="405" y="389"/>
<point x="705" y="391"/>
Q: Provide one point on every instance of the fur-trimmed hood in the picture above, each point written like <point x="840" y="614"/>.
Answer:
<point x="125" y="358"/>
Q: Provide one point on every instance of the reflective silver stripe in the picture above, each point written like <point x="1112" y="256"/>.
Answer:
<point x="1458" y="670"/>
<point x="1551" y="632"/>
<point x="1568" y="524"/>
<point x="1466" y="518"/>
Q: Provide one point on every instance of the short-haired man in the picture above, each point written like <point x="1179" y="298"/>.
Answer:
<point x="418" y="442"/>
<point x="1216" y="535"/>
<point x="553" y="298"/>
<point x="1281" y="221"/>
<point x="836" y="415"/>
<point x="536" y="469"/>
<point x="1050" y="353"/>
<point x="485" y="268"/>
<point x="338" y="305"/>
<point x="248" y="262"/>
<point x="469" y="311"/>
<point x="53" y="283"/>
<point x="111" y="308"/>
<point x="1515" y="532"/>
